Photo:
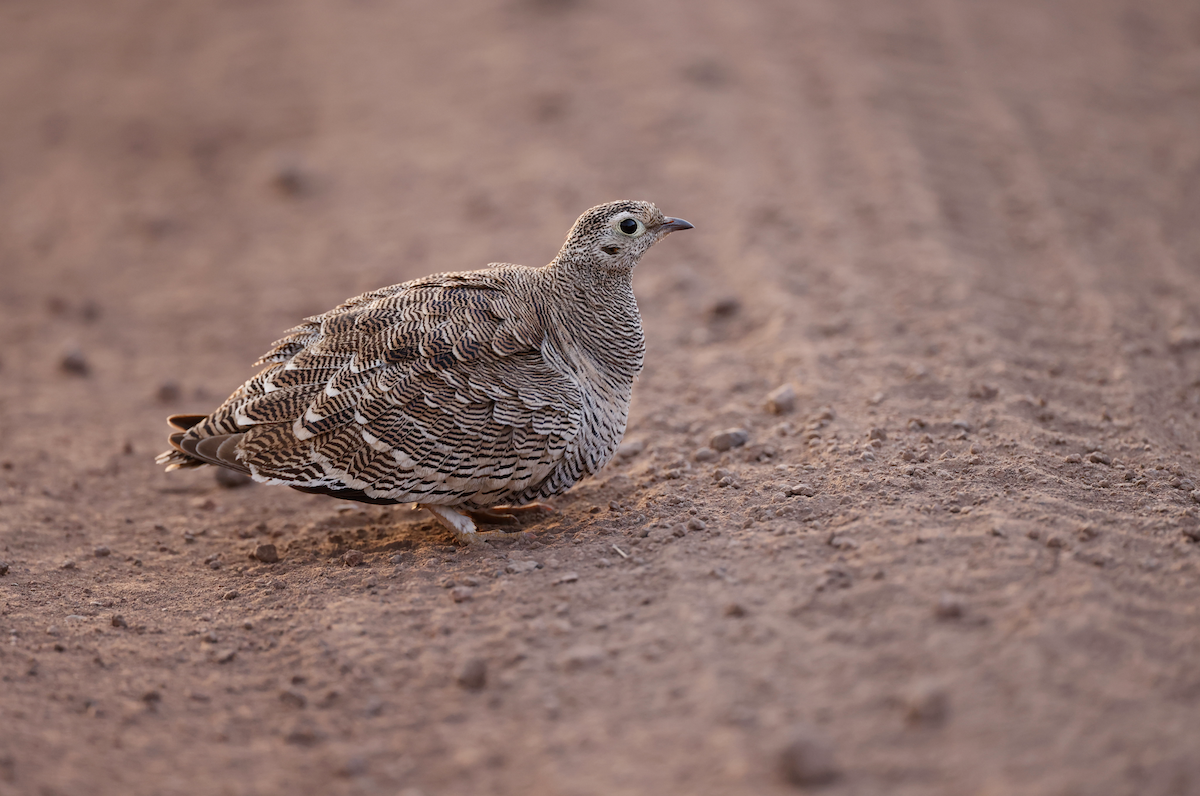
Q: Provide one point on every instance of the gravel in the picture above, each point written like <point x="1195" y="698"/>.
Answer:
<point x="807" y="759"/>
<point x="473" y="674"/>
<point x="74" y="363"/>
<point x="729" y="438"/>
<point x="781" y="400"/>
<point x="266" y="553"/>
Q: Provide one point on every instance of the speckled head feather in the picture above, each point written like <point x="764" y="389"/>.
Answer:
<point x="458" y="391"/>
<point x="616" y="235"/>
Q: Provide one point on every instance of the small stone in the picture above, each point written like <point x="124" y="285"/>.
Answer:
<point x="168" y="392"/>
<point x="473" y="674"/>
<point x="696" y="524"/>
<point x="293" y="698"/>
<point x="3" y="567"/>
<point x="100" y="551"/>
<point x="209" y="637"/>
<point x="583" y="656"/>
<point x="266" y="553"/>
<point x="353" y="558"/>
<point x="926" y="704"/>
<point x="948" y="606"/>
<point x="877" y="433"/>
<point x="1099" y="458"/>
<point x="729" y="438"/>
<point x="231" y="479"/>
<point x="627" y="450"/>
<point x="225" y="656"/>
<point x="68" y="564"/>
<point x="962" y="425"/>
<point x="807" y="759"/>
<point x="567" y="577"/>
<point x="1072" y="458"/>
<point x="705" y="454"/>
<point x="460" y="594"/>
<point x="839" y="542"/>
<point x="230" y="594"/>
<point x="725" y="307"/>
<point x="781" y="400"/>
<point x="804" y="490"/>
<point x="735" y="610"/>
<point x="519" y="567"/>
<point x="74" y="363"/>
<point x="119" y="621"/>
<point x="982" y="392"/>
<point x="1192" y="532"/>
<point x="1194" y="494"/>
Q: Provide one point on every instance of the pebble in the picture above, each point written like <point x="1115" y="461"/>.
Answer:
<point x="948" y="606"/>
<point x="735" y="610"/>
<point x="627" y="450"/>
<point x="1072" y="458"/>
<point x="807" y="759"/>
<point x="168" y="392"/>
<point x="729" y="438"/>
<point x="460" y="594"/>
<point x="266" y="553"/>
<point x="877" y="433"/>
<point x="230" y="594"/>
<point x="705" y="454"/>
<point x="1099" y="458"/>
<point x="805" y="490"/>
<point x="519" y="567"/>
<point x="583" y="656"/>
<point x="353" y="558"/>
<point x="74" y="363"/>
<point x="119" y="621"/>
<point x="926" y="704"/>
<point x="1192" y="531"/>
<point x="101" y="551"/>
<point x="567" y="577"/>
<point x="696" y="524"/>
<point x="293" y="698"/>
<point x="1195" y="495"/>
<point x="3" y="567"/>
<point x="781" y="400"/>
<point x="473" y="674"/>
<point x="231" y="479"/>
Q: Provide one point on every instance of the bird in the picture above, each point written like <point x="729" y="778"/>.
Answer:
<point x="472" y="394"/>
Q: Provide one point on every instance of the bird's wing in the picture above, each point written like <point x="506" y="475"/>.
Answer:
<point x="430" y="391"/>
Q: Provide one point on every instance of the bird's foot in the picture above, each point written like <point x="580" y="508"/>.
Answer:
<point x="507" y="515"/>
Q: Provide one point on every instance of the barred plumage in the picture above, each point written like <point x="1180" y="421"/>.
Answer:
<point x="458" y="391"/>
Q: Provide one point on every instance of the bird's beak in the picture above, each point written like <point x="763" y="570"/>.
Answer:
<point x="673" y="224"/>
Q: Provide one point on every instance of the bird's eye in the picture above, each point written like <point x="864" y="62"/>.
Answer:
<point x="631" y="227"/>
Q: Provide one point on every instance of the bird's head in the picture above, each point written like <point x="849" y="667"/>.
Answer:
<point x="614" y="236"/>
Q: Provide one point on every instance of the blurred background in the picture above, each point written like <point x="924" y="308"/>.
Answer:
<point x="940" y="218"/>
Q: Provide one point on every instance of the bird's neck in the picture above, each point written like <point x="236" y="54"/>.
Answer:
<point x="599" y="315"/>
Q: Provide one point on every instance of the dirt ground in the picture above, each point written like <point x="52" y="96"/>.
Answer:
<point x="965" y="562"/>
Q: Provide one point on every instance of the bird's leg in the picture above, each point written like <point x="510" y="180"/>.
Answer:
<point x="507" y="515"/>
<point x="459" y="524"/>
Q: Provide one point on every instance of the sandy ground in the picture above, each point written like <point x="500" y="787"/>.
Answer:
<point x="966" y="233"/>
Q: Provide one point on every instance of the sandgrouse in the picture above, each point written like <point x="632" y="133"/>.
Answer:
<point x="459" y="392"/>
